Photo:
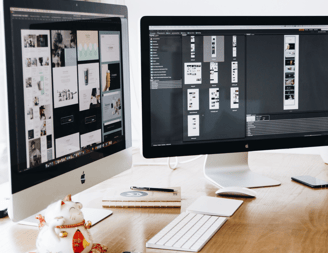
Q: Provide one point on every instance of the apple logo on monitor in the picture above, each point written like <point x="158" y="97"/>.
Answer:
<point x="83" y="178"/>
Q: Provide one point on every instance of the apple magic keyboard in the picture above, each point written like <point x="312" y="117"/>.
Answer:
<point x="187" y="232"/>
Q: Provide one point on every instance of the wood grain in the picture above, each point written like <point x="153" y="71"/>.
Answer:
<point x="286" y="218"/>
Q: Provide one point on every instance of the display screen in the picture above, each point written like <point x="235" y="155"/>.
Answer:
<point x="235" y="83"/>
<point x="67" y="91"/>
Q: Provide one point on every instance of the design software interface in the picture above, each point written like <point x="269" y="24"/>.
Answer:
<point x="216" y="83"/>
<point x="71" y="85"/>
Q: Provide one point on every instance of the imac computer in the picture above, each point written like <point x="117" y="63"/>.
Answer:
<point x="218" y="85"/>
<point x="67" y="86"/>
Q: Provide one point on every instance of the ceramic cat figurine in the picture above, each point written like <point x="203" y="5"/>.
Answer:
<point x="63" y="229"/>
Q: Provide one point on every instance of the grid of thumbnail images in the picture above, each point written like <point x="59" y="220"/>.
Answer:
<point x="290" y="43"/>
<point x="213" y="53"/>
<point x="63" y="72"/>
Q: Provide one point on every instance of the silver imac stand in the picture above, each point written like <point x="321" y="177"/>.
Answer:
<point x="225" y="170"/>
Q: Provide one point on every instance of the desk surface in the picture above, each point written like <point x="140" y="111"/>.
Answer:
<point x="286" y="218"/>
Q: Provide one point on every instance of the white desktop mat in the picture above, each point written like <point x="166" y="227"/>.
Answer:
<point x="214" y="206"/>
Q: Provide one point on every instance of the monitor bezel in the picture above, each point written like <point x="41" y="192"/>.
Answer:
<point x="214" y="147"/>
<point x="58" y="187"/>
<point x="65" y="6"/>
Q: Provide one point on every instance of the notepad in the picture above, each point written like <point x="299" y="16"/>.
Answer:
<point x="214" y="206"/>
<point x="130" y="198"/>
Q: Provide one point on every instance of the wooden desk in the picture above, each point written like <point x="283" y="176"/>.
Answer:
<point x="286" y="218"/>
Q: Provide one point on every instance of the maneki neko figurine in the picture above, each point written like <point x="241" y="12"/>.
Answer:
<point x="63" y="230"/>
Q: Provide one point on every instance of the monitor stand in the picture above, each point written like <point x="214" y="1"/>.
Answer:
<point x="225" y="170"/>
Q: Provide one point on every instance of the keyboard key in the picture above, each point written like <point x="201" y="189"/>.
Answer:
<point x="211" y="230"/>
<point x="183" y="232"/>
<point x="174" y="230"/>
<point x="196" y="228"/>
<point x="189" y="233"/>
<point x="165" y="230"/>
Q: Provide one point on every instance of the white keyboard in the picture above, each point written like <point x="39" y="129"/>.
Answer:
<point x="187" y="232"/>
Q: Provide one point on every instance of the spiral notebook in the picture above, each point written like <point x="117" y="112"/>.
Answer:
<point x="130" y="198"/>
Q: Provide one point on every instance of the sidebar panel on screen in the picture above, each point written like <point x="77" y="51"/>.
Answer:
<point x="111" y="86"/>
<point x="166" y="89"/>
<point x="89" y="89"/>
<point x="65" y="88"/>
<point x="37" y="97"/>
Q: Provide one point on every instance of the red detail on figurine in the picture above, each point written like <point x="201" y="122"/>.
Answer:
<point x="41" y="220"/>
<point x="78" y="242"/>
<point x="88" y="225"/>
<point x="98" y="248"/>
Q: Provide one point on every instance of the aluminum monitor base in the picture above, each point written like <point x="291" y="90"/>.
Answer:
<point x="225" y="170"/>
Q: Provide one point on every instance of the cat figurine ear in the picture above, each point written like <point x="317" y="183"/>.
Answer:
<point x="79" y="205"/>
<point x="68" y="198"/>
<point x="58" y="206"/>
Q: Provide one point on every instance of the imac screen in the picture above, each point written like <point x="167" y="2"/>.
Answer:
<point x="221" y="83"/>
<point x="67" y="92"/>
